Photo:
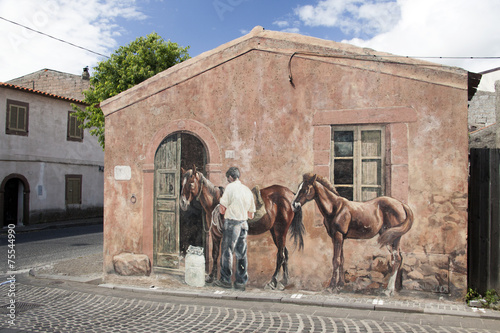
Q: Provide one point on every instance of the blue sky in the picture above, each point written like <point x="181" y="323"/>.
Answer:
<point x="438" y="28"/>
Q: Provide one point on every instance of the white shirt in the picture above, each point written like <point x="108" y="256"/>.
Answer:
<point x="238" y="200"/>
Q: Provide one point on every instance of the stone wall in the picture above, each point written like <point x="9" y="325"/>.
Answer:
<point x="54" y="82"/>
<point x="482" y="110"/>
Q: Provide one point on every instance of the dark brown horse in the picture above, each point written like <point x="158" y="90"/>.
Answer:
<point x="343" y="219"/>
<point x="278" y="216"/>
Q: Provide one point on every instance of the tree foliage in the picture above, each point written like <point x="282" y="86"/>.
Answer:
<point x="127" y="66"/>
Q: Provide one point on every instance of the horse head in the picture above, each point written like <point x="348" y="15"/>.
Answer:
<point x="305" y="192"/>
<point x="190" y="187"/>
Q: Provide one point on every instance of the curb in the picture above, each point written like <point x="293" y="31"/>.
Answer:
<point x="54" y="225"/>
<point x="245" y="296"/>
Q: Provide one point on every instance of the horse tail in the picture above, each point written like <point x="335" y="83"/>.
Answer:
<point x="390" y="235"/>
<point x="297" y="229"/>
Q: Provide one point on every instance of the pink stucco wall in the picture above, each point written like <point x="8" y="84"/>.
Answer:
<point x="239" y="97"/>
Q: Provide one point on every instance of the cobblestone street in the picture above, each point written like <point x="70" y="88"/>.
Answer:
<point x="45" y="305"/>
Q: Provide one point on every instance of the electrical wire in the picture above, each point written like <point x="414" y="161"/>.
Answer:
<point x="373" y="57"/>
<point x="58" y="39"/>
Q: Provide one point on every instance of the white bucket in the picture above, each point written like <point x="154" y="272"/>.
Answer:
<point x="195" y="267"/>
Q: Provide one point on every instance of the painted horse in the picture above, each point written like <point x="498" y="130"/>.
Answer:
<point x="277" y="217"/>
<point x="344" y="219"/>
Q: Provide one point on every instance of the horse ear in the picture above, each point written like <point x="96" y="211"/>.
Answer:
<point x="194" y="168"/>
<point x="183" y="171"/>
<point x="314" y="178"/>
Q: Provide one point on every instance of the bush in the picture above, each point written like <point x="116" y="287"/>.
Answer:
<point x="489" y="300"/>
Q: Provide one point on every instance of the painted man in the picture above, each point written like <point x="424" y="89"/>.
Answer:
<point x="237" y="205"/>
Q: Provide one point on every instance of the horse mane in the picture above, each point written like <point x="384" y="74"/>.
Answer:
<point x="322" y="180"/>
<point x="212" y="189"/>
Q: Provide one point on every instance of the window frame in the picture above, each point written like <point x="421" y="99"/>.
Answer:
<point x="358" y="158"/>
<point x="69" y="135"/>
<point x="17" y="131"/>
<point x="69" y="178"/>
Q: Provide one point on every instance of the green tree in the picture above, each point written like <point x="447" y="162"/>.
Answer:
<point x="127" y="66"/>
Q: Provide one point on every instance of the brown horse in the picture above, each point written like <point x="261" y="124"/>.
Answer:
<point x="343" y="219"/>
<point x="277" y="217"/>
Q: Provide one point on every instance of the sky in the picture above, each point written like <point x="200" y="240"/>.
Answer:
<point x="458" y="33"/>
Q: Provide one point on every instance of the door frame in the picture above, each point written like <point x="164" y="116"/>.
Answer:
<point x="213" y="168"/>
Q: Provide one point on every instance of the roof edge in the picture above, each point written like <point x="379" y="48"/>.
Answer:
<point x="39" y="92"/>
<point x="252" y="41"/>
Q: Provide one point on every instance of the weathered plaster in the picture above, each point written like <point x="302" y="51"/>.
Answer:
<point x="239" y="99"/>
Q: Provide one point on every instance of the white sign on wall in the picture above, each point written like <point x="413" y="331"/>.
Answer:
<point x="123" y="172"/>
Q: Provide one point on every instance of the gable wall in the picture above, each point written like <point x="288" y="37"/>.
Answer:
<point x="252" y="109"/>
<point x="58" y="83"/>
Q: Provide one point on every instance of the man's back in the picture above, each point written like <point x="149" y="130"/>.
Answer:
<point x="238" y="200"/>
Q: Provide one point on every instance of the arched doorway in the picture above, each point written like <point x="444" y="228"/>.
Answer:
<point x="14" y="200"/>
<point x="174" y="230"/>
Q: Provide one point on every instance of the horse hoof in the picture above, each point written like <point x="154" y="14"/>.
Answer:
<point x="389" y="293"/>
<point x="270" y="286"/>
<point x="333" y="290"/>
<point x="209" y="280"/>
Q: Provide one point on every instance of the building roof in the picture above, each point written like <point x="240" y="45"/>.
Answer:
<point x="294" y="46"/>
<point x="55" y="82"/>
<point x="43" y="93"/>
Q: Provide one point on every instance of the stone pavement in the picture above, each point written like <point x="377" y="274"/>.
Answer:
<point x="58" y="305"/>
<point x="60" y="298"/>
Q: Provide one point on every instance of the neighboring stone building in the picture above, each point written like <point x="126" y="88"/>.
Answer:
<point x="49" y="168"/>
<point x="274" y="104"/>
<point x="57" y="83"/>
<point x="484" y="110"/>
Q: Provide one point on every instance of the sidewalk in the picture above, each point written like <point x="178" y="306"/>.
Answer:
<point x="54" y="225"/>
<point x="342" y="300"/>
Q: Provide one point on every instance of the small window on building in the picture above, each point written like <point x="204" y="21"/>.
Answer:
<point x="75" y="133"/>
<point x="73" y="189"/>
<point x="358" y="161"/>
<point x="17" y="118"/>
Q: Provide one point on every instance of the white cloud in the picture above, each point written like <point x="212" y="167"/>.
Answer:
<point x="292" y="30"/>
<point x="358" y="17"/>
<point x="87" y="23"/>
<point x="281" y="24"/>
<point x="436" y="28"/>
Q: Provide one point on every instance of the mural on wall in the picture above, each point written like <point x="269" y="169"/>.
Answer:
<point x="274" y="214"/>
<point x="344" y="219"/>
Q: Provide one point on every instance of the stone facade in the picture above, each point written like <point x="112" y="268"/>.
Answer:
<point x="54" y="82"/>
<point x="482" y="111"/>
<point x="267" y="102"/>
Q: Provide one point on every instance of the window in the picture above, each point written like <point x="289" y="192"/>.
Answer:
<point x="358" y="161"/>
<point x="73" y="189"/>
<point x="75" y="133"/>
<point x="17" y="118"/>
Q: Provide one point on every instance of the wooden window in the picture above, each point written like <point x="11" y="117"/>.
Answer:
<point x="358" y="161"/>
<point x="73" y="189"/>
<point x="17" y="118"/>
<point x="75" y="133"/>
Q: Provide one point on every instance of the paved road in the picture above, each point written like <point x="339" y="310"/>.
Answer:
<point x="42" y="247"/>
<point x="63" y="306"/>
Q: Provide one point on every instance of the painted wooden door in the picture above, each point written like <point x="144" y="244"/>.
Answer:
<point x="166" y="214"/>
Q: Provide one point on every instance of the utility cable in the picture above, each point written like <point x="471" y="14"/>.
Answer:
<point x="58" y="39"/>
